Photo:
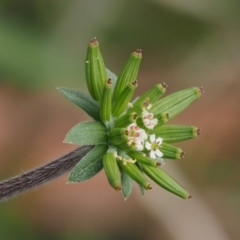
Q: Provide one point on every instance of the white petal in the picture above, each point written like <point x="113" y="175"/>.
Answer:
<point x="150" y="126"/>
<point x="143" y="134"/>
<point x="158" y="153"/>
<point x="155" y="121"/>
<point x="146" y="121"/>
<point x="148" y="145"/>
<point x="139" y="145"/>
<point x="144" y="113"/>
<point x="152" y="138"/>
<point x="159" y="141"/>
<point x="152" y="154"/>
<point x="161" y="160"/>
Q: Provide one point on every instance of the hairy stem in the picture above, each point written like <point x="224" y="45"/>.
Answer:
<point x="42" y="174"/>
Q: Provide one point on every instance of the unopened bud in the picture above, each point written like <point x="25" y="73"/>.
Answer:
<point x="106" y="101"/>
<point x="143" y="159"/>
<point x="128" y="74"/>
<point x="177" y="102"/>
<point x="96" y="74"/>
<point x="165" y="181"/>
<point x="135" y="173"/>
<point x="112" y="171"/>
<point x="171" y="152"/>
<point x="176" y="133"/>
<point x="122" y="102"/>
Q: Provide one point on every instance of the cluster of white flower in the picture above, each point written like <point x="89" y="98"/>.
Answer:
<point x="139" y="140"/>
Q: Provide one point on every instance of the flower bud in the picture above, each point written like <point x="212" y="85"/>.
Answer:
<point x="96" y="73"/>
<point x="135" y="173"/>
<point x="146" y="100"/>
<point x="106" y="101"/>
<point x="143" y="159"/>
<point x="177" y="102"/>
<point x="112" y="171"/>
<point x="171" y="152"/>
<point x="165" y="181"/>
<point x="124" y="99"/>
<point x="128" y="73"/>
<point x="177" y="133"/>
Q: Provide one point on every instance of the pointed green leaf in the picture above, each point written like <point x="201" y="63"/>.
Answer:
<point x="89" y="165"/>
<point x="142" y="190"/>
<point x="85" y="133"/>
<point x="127" y="184"/>
<point x="82" y="100"/>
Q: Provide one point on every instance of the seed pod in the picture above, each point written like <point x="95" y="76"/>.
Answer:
<point x="143" y="159"/>
<point x="96" y="73"/>
<point x="148" y="98"/>
<point x="112" y="171"/>
<point x="171" y="152"/>
<point x="135" y="173"/>
<point x="106" y="102"/>
<point x="176" y="102"/>
<point x="165" y="181"/>
<point x="128" y="74"/>
<point x="176" y="133"/>
<point x="124" y="99"/>
<point x="126" y="119"/>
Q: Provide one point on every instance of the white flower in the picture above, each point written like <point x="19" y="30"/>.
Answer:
<point x="136" y="137"/>
<point x="153" y="146"/>
<point x="148" y="119"/>
<point x="134" y="131"/>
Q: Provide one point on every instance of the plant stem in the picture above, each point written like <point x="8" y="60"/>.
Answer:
<point x="42" y="174"/>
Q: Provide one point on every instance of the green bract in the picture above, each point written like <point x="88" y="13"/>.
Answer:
<point x="130" y="138"/>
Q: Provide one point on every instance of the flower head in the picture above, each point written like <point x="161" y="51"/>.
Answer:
<point x="154" y="146"/>
<point x="148" y="119"/>
<point x="130" y="137"/>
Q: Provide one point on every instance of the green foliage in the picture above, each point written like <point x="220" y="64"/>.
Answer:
<point x="127" y="184"/>
<point x="127" y="135"/>
<point x="82" y="100"/>
<point x="87" y="133"/>
<point x="89" y="165"/>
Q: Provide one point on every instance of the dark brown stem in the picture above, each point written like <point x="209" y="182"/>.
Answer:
<point x="42" y="174"/>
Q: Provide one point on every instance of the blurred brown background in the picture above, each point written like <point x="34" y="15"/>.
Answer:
<point x="185" y="43"/>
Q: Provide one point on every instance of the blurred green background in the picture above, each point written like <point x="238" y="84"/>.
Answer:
<point x="185" y="43"/>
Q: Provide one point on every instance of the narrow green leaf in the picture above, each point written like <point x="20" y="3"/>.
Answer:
<point x="127" y="184"/>
<point x="85" y="133"/>
<point x="82" y="100"/>
<point x="142" y="190"/>
<point x="89" y="165"/>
